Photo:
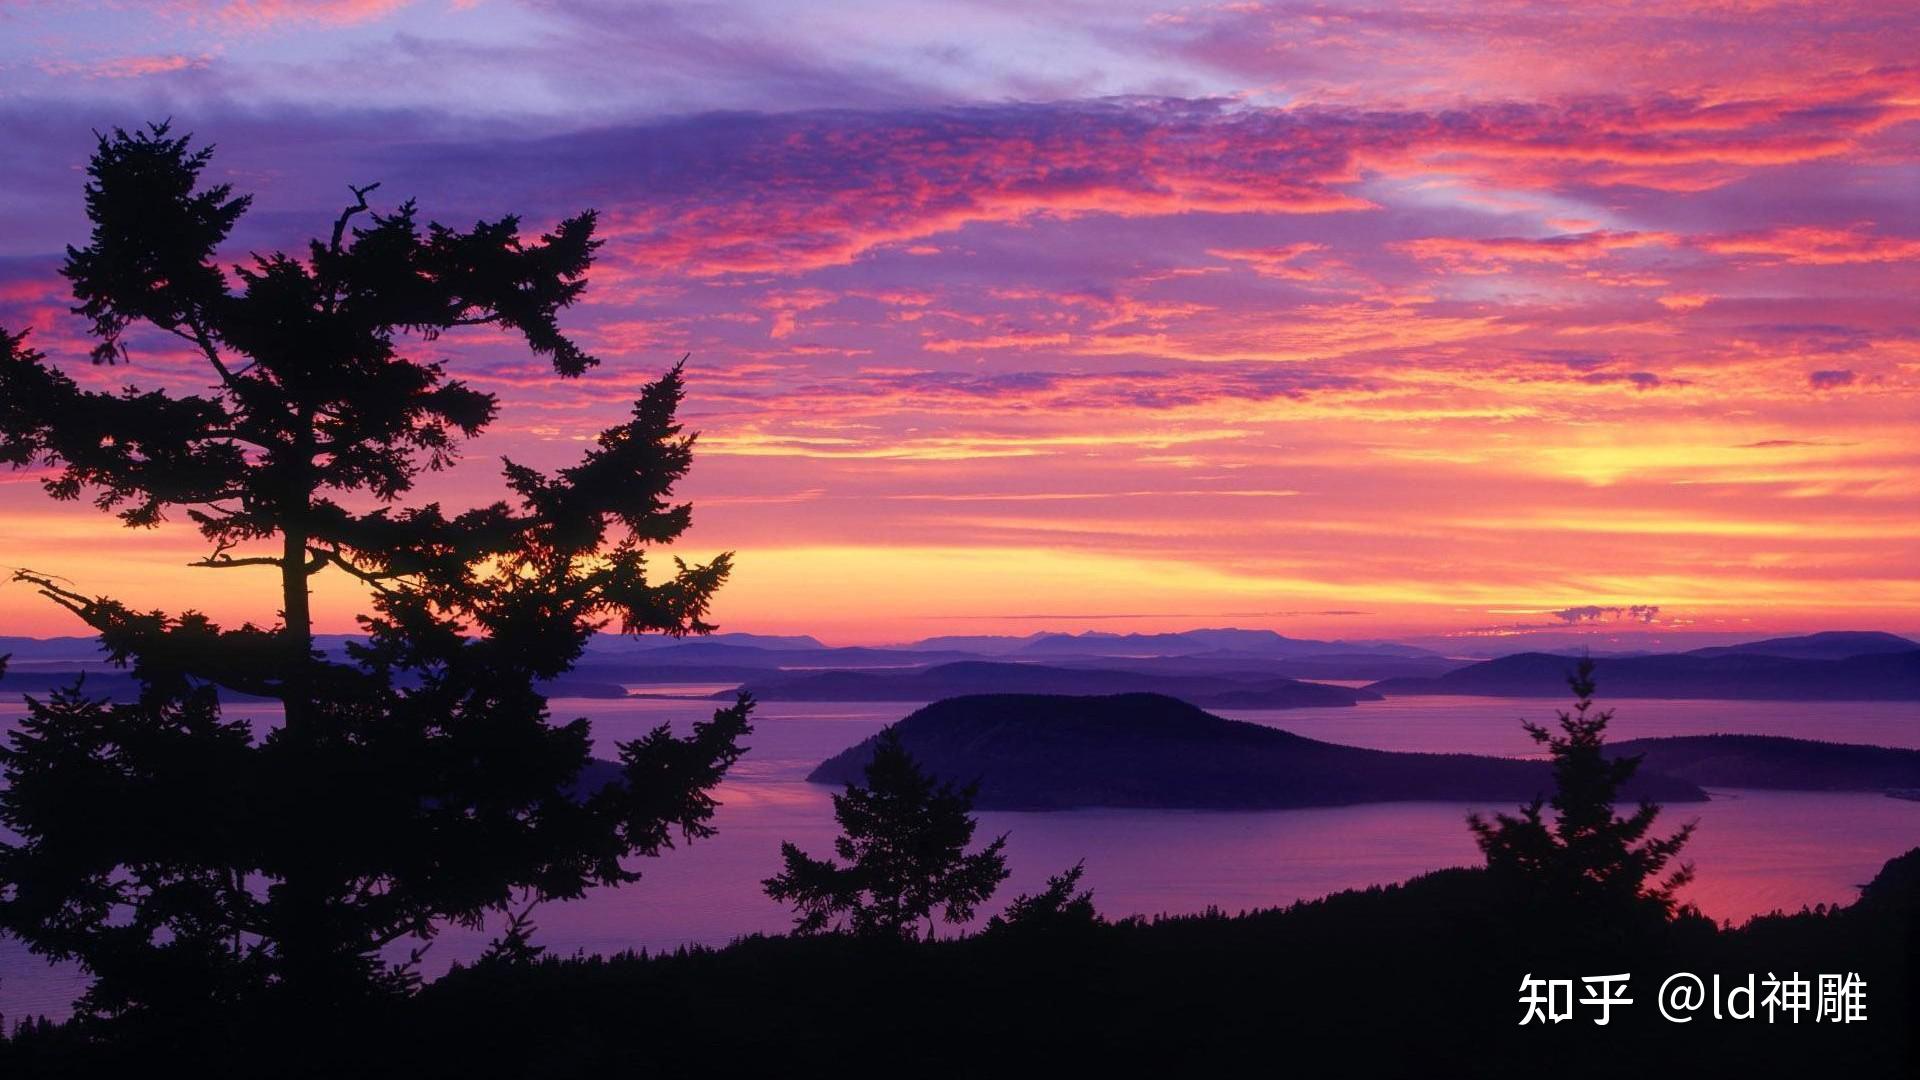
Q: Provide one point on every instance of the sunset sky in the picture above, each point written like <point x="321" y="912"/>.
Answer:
<point x="1347" y="320"/>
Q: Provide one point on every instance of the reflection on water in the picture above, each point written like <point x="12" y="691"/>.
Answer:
<point x="1755" y="850"/>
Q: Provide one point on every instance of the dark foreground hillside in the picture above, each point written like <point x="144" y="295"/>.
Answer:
<point x="1419" y="979"/>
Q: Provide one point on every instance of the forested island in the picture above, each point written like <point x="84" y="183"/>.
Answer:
<point x="1775" y="762"/>
<point x="1030" y="752"/>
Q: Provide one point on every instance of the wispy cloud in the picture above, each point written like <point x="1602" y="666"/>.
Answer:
<point x="1276" y="308"/>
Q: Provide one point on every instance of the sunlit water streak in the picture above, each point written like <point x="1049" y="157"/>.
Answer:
<point x="1755" y="851"/>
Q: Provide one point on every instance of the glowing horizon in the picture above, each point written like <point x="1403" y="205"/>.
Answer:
<point x="1338" y="319"/>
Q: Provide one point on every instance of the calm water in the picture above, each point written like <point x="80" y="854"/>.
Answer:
<point x="1755" y="851"/>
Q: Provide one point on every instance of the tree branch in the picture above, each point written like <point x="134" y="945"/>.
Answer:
<point x="339" y="237"/>
<point x="359" y="206"/>
<point x="221" y="562"/>
<point x="370" y="577"/>
<point x="204" y="341"/>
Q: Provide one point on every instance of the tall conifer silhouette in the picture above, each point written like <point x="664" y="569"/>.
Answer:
<point x="417" y="779"/>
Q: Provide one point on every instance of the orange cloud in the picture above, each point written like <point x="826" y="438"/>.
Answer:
<point x="1684" y="301"/>
<point x="1276" y="262"/>
<point x="1495" y="254"/>
<point x="787" y="308"/>
<point x="1015" y="340"/>
<point x="1809" y="245"/>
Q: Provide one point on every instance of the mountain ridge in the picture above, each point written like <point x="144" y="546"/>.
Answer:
<point x="1736" y="676"/>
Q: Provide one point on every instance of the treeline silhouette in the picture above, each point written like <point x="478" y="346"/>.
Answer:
<point x="229" y="892"/>
<point x="1417" y="979"/>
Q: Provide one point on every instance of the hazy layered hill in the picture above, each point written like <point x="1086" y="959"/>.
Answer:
<point x="1886" y="676"/>
<point x="26" y="650"/>
<point x="785" y="642"/>
<point x="703" y="651"/>
<point x="647" y="663"/>
<point x="1191" y="642"/>
<point x="1356" y="666"/>
<point x="1827" y="645"/>
<point x="1235" y="691"/>
<point x="1217" y="668"/>
<point x="1039" y="752"/>
<point x="641" y="673"/>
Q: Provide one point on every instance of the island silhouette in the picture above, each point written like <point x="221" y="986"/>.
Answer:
<point x="1038" y="752"/>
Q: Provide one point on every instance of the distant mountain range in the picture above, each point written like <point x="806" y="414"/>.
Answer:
<point x="785" y="642"/>
<point x="1361" y="667"/>
<point x="1606" y="639"/>
<point x="705" y="651"/>
<point x="1033" y="752"/>
<point x="1738" y="675"/>
<point x="1181" y="643"/>
<point x="982" y="676"/>
<point x="29" y="650"/>
<point x="1827" y="645"/>
<point x="1226" y="642"/>
<point x="1221" y="648"/>
<point x="1216" y="668"/>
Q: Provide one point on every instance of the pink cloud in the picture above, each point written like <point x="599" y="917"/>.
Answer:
<point x="1526" y="49"/>
<point x="124" y="67"/>
<point x="265" y="14"/>
<point x="852" y="189"/>
<point x="848" y="191"/>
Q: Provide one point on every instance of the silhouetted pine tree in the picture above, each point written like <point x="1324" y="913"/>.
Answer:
<point x="904" y="844"/>
<point x="1586" y="855"/>
<point x="186" y="860"/>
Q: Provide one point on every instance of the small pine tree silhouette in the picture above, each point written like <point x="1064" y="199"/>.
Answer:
<point x="904" y="843"/>
<point x="1061" y="906"/>
<point x="1586" y="855"/>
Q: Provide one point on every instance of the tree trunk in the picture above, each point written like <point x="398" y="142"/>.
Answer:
<point x="298" y="619"/>
<point x="307" y="951"/>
